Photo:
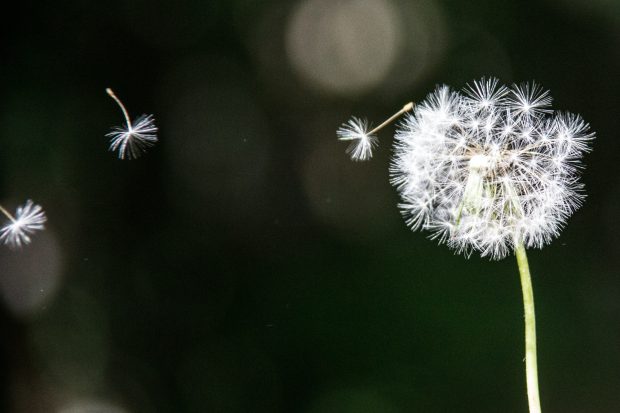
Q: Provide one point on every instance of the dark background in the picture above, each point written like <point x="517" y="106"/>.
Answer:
<point x="245" y="264"/>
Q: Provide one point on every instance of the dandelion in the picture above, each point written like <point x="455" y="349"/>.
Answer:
<point x="28" y="219"/>
<point x="495" y="170"/>
<point x="135" y="137"/>
<point x="489" y="169"/>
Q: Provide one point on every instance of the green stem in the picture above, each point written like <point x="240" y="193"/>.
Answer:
<point x="531" y="366"/>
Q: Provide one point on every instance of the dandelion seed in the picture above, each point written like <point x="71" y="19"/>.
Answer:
<point x="135" y="137"/>
<point x="363" y="141"/>
<point x="28" y="219"/>
<point x="530" y="99"/>
<point x="486" y="94"/>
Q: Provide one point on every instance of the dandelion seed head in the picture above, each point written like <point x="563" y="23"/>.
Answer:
<point x="28" y="219"/>
<point x="490" y="166"/>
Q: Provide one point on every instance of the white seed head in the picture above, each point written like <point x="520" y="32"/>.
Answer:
<point x="28" y="219"/>
<point x="488" y="167"/>
<point x="362" y="142"/>
<point x="135" y="137"/>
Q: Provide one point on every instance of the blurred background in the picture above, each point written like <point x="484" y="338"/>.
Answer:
<point x="245" y="264"/>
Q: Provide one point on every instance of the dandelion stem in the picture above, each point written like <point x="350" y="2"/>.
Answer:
<point x="405" y="108"/>
<point x="7" y="213"/>
<point x="113" y="96"/>
<point x="531" y="365"/>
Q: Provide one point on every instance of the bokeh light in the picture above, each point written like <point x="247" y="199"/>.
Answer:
<point x="374" y="46"/>
<point x="345" y="47"/>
